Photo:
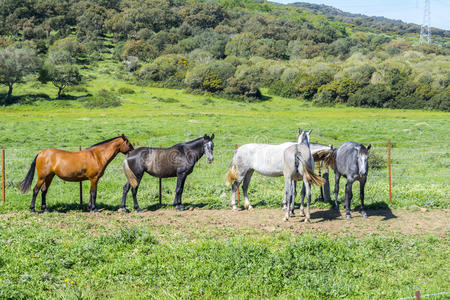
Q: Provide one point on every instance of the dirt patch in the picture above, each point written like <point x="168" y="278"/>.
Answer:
<point x="271" y="220"/>
<point x="222" y="223"/>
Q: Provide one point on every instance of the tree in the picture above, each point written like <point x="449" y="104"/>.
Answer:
<point x="59" y="70"/>
<point x="15" y="64"/>
<point x="141" y="49"/>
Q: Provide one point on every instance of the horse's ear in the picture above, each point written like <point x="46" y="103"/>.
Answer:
<point x="205" y="136"/>
<point x="309" y="131"/>
<point x="300" y="130"/>
<point x="212" y="136"/>
<point x="369" y="146"/>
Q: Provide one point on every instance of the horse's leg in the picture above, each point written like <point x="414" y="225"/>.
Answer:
<point x="302" y="203"/>
<point x="337" y="177"/>
<point x="44" y="189"/>
<point x="362" y="185"/>
<point x="181" y="178"/>
<point x="122" y="206"/>
<point x="93" y="195"/>
<point x="234" y="189"/>
<point x="245" y="185"/>
<point x="36" y="189"/>
<point x="287" y="195"/>
<point x="348" y="198"/>
<point x="308" y="200"/>
<point x="294" y="194"/>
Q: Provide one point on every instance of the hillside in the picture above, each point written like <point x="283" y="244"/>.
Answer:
<point x="231" y="48"/>
<point x="372" y="23"/>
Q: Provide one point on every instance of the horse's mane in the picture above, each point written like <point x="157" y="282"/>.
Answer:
<point x="104" y="142"/>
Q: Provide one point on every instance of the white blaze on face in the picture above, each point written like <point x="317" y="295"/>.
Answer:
<point x="209" y="151"/>
<point x="363" y="163"/>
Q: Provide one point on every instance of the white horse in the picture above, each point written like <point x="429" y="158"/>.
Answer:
<point x="299" y="165"/>
<point x="267" y="160"/>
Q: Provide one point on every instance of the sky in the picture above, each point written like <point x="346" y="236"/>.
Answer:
<point x="410" y="11"/>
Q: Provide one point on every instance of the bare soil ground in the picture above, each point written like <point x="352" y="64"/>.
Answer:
<point x="200" y="223"/>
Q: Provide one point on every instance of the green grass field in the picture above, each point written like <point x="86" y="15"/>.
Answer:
<point x="70" y="255"/>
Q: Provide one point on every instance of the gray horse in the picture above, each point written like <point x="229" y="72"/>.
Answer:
<point x="299" y="165"/>
<point x="351" y="161"/>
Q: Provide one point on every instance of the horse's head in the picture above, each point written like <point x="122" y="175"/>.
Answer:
<point x="363" y="159"/>
<point x="208" y="147"/>
<point x="303" y="136"/>
<point x="125" y="146"/>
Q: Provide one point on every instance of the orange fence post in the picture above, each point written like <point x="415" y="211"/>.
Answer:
<point x="238" y="200"/>
<point x="160" y="185"/>
<point x="81" y="188"/>
<point x="417" y="295"/>
<point x="389" y="165"/>
<point x="3" y="175"/>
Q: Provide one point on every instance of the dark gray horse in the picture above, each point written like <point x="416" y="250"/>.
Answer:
<point x="351" y="161"/>
<point x="176" y="161"/>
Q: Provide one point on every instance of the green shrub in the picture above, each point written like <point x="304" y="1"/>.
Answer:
<point x="103" y="99"/>
<point x="373" y="95"/>
<point x="284" y="89"/>
<point x="125" y="90"/>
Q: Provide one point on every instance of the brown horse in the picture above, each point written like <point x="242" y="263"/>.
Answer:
<point x="88" y="164"/>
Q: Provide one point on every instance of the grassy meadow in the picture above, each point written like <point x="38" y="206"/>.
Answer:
<point x="72" y="255"/>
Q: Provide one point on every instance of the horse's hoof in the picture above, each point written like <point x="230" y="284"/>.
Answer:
<point x="307" y="220"/>
<point x="364" y="214"/>
<point x="291" y="214"/>
<point x="286" y="219"/>
<point x="32" y="210"/>
<point x="284" y="207"/>
<point x="138" y="210"/>
<point x="250" y="207"/>
<point x="180" y="208"/>
<point x="125" y="210"/>
<point x="45" y="211"/>
<point x="302" y="213"/>
<point x="235" y="208"/>
<point x="94" y="211"/>
<point x="348" y="217"/>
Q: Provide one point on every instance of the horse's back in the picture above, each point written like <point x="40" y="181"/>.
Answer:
<point x="268" y="160"/>
<point x="70" y="166"/>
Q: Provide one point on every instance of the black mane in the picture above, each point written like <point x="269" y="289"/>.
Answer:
<point x="104" y="142"/>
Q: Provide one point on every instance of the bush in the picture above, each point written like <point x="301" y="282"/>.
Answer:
<point x="141" y="49"/>
<point x="209" y="77"/>
<point x="376" y="161"/>
<point x="243" y="88"/>
<point x="104" y="99"/>
<point x="440" y="101"/>
<point x="125" y="90"/>
<point x="373" y="95"/>
<point x="284" y="89"/>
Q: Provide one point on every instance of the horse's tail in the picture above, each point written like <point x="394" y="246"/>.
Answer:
<point x="131" y="177"/>
<point x="310" y="176"/>
<point x="26" y="183"/>
<point x="232" y="175"/>
<point x="328" y="157"/>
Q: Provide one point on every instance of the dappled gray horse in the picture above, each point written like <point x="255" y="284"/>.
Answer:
<point x="267" y="160"/>
<point x="176" y="161"/>
<point x="299" y="165"/>
<point x="351" y="161"/>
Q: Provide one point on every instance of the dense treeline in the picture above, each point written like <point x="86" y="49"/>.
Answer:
<point x="227" y="47"/>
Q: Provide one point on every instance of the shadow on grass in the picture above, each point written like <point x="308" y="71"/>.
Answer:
<point x="378" y="209"/>
<point x="31" y="98"/>
<point x="66" y="207"/>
